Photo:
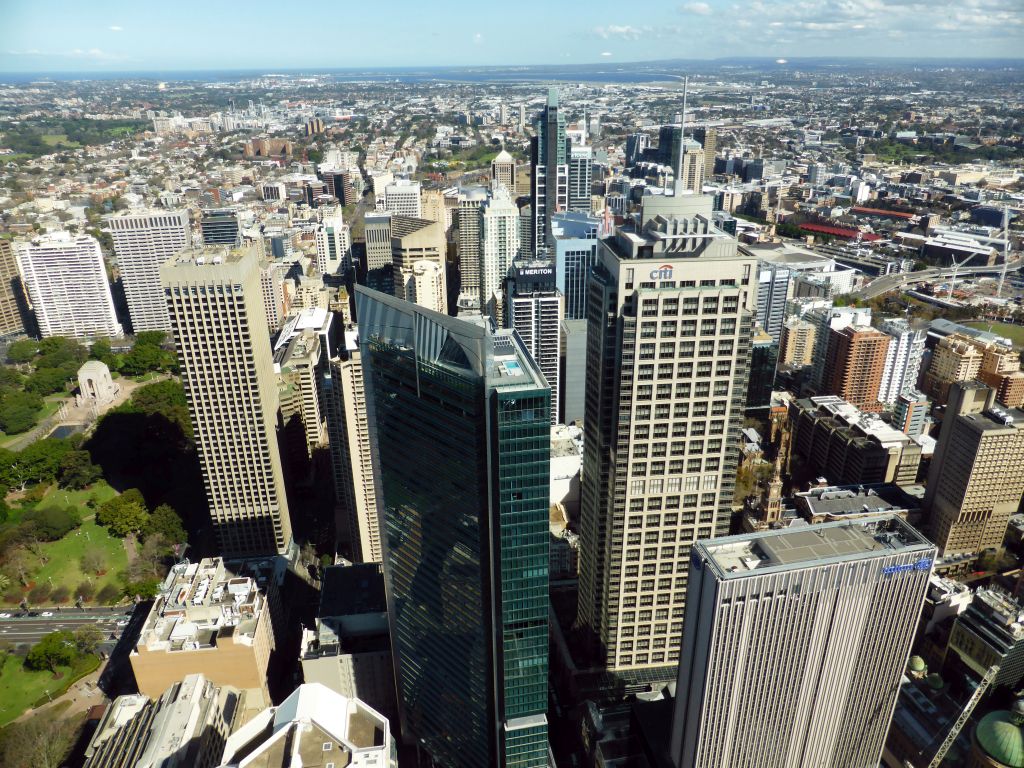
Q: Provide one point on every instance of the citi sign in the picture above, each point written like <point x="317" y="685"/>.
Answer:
<point x="664" y="272"/>
<point x="923" y="564"/>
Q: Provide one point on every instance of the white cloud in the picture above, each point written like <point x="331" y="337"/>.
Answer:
<point x="606" y="53"/>
<point x="478" y="39"/>
<point x="699" y="8"/>
<point x="625" y="31"/>
<point x="116" y="28"/>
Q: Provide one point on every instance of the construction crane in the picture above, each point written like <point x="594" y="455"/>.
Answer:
<point x="961" y="721"/>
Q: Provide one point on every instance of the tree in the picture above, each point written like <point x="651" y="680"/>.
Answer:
<point x="93" y="560"/>
<point x="108" y="594"/>
<point x="61" y="594"/>
<point x="52" y="523"/>
<point x="37" y="463"/>
<point x="42" y="741"/>
<point x="54" y="650"/>
<point x="143" y="358"/>
<point x="18" y="411"/>
<point x="149" y="562"/>
<point x="124" y="514"/>
<point x="22" y="351"/>
<point x="48" y="381"/>
<point x="77" y="471"/>
<point x="167" y="523"/>
<point x="85" y="591"/>
<point x="87" y="638"/>
<point x="102" y="351"/>
<point x="39" y="594"/>
<point x="19" y="563"/>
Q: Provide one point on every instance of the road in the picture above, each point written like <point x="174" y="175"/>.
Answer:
<point x="27" y="630"/>
<point x="881" y="285"/>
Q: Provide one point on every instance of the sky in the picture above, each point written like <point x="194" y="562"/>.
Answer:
<point x="140" y="35"/>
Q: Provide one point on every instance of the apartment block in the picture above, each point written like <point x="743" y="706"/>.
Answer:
<point x="855" y="365"/>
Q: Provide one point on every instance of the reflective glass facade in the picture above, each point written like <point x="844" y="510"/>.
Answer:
<point x="459" y="421"/>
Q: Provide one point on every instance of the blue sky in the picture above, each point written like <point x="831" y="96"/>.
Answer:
<point x="90" y="35"/>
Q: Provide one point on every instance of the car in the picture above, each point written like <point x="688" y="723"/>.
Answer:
<point x="122" y="623"/>
<point x="33" y="614"/>
<point x="5" y="615"/>
<point x="46" y="614"/>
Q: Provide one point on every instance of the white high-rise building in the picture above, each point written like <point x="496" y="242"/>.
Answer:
<point x="402" y="197"/>
<point x="215" y="303"/>
<point x="535" y="308"/>
<point x="902" y="359"/>
<point x="333" y="247"/>
<point x="67" y="285"/>
<point x="581" y="169"/>
<point x="499" y="242"/>
<point x="425" y="285"/>
<point x="467" y="217"/>
<point x="143" y="241"/>
<point x="794" y="644"/>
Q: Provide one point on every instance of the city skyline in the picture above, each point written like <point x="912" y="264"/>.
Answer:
<point x="66" y="36"/>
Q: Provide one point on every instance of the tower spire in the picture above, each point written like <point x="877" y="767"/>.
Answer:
<point x="678" y="187"/>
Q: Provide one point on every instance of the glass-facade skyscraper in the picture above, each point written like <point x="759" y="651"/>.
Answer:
<point x="459" y="420"/>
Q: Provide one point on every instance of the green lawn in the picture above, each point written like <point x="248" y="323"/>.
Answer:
<point x="1013" y="332"/>
<point x="59" y="139"/>
<point x="64" y="566"/>
<point x="21" y="688"/>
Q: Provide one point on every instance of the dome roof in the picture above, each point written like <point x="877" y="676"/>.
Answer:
<point x="934" y="681"/>
<point x="916" y="664"/>
<point x="1001" y="739"/>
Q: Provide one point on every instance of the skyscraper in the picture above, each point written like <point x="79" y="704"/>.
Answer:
<point x="575" y="236"/>
<point x="460" y="430"/>
<point x="216" y="310"/>
<point x="67" y="285"/>
<point x="402" y="197"/>
<point x="581" y="169"/>
<point x="425" y="285"/>
<point x="414" y="240"/>
<point x="825" y="320"/>
<point x="549" y="156"/>
<point x="794" y="644"/>
<point x="503" y="171"/>
<point x="855" y="365"/>
<point x="902" y="359"/>
<point x="670" y="310"/>
<point x="11" y="320"/>
<point x="974" y="482"/>
<point x="467" y="217"/>
<point x="333" y="247"/>
<point x="499" y="242"/>
<point x="772" y="290"/>
<point x="219" y="226"/>
<point x="535" y="309"/>
<point x="143" y="241"/>
<point x="636" y="143"/>
<point x="708" y="139"/>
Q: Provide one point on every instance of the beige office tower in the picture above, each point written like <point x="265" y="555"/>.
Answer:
<point x="693" y="167"/>
<point x="215" y="305"/>
<point x="275" y="301"/>
<point x="794" y="644"/>
<point x="975" y="481"/>
<point x="143" y="241"/>
<point x="350" y="452"/>
<point x="432" y="203"/>
<point x="377" y="231"/>
<point x="414" y="240"/>
<point x="11" y="321"/>
<point x="797" y="342"/>
<point x="670" y="312"/>
<point x="503" y="171"/>
<point x="424" y="285"/>
<point x="467" y="217"/>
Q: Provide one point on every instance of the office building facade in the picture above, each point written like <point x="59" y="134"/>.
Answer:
<point x="549" y="157"/>
<point x="794" y="644"/>
<point x="575" y="238"/>
<point x="855" y="365"/>
<point x="971" y="491"/>
<point x="333" y="247"/>
<point x="402" y="197"/>
<point x="142" y="243"/>
<point x="499" y="243"/>
<point x="503" y="171"/>
<point x="215" y="306"/>
<point x="581" y="172"/>
<point x="219" y="226"/>
<point x="535" y="308"/>
<point x="460" y="430"/>
<point x="67" y="285"/>
<point x="12" y="321"/>
<point x="772" y="291"/>
<point x="670" y="311"/>
<point x="902" y="359"/>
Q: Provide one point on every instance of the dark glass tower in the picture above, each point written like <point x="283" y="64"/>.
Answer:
<point x="549" y="157"/>
<point x="459" y="425"/>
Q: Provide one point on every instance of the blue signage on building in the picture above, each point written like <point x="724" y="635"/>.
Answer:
<point x="924" y="564"/>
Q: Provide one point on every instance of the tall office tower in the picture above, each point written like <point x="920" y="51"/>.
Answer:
<point x="575" y="236"/>
<point x="636" y="143"/>
<point x="333" y="247"/>
<point x="797" y="348"/>
<point x="67" y="285"/>
<point x="349" y="437"/>
<point x="219" y="226"/>
<point x="425" y="285"/>
<point x="910" y="412"/>
<point x="772" y="290"/>
<point x="522" y="118"/>
<point x="499" y="242"/>
<point x="460" y="431"/>
<point x="275" y="301"/>
<point x="467" y="218"/>
<point x="691" y="165"/>
<point x="971" y="491"/>
<point x="794" y="644"/>
<point x="402" y="197"/>
<point x="297" y="357"/>
<point x="378" y="240"/>
<point x="817" y="173"/>
<point x="670" y="312"/>
<point x="432" y="203"/>
<point x="764" y="359"/>
<point x="535" y="308"/>
<point x="581" y="171"/>
<point x="902" y="360"/>
<point x="12" y="321"/>
<point x="707" y="137"/>
<point x="549" y="157"/>
<point x="855" y="365"/>
<point x="414" y="240"/>
<point x="825" y="320"/>
<point x="142" y="242"/>
<point x="503" y="171"/>
<point x="216" y="310"/>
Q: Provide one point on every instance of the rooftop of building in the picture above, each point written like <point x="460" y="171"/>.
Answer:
<point x="835" y="501"/>
<point x="209" y="255"/>
<point x="999" y="608"/>
<point x="869" y="424"/>
<point x="312" y="726"/>
<point x="206" y="603"/>
<point x="825" y="544"/>
<point x="349" y="590"/>
<point x="942" y="327"/>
